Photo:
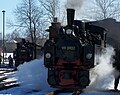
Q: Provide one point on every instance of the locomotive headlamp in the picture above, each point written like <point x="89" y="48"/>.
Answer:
<point x="47" y="55"/>
<point x="89" y="56"/>
<point x="30" y="55"/>
<point x="68" y="31"/>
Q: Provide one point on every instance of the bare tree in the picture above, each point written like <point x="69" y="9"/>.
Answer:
<point x="31" y="19"/>
<point x="51" y="7"/>
<point x="102" y="9"/>
<point x="11" y="36"/>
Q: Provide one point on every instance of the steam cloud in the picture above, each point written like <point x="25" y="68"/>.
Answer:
<point x="74" y="4"/>
<point x="102" y="75"/>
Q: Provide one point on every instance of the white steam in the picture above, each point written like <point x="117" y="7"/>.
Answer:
<point x="74" y="4"/>
<point x="103" y="74"/>
<point x="78" y="6"/>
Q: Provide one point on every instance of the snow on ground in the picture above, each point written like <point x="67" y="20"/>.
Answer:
<point x="32" y="76"/>
<point x="25" y="91"/>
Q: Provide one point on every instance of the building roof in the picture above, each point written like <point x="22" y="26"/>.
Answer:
<point x="113" y="30"/>
<point x="10" y="46"/>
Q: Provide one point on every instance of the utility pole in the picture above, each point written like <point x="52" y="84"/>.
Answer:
<point x="3" y="48"/>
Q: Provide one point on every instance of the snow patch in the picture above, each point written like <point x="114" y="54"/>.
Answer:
<point x="33" y="75"/>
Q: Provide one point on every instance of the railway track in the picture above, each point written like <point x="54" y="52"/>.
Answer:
<point x="57" y="92"/>
<point x="6" y="79"/>
<point x="7" y="82"/>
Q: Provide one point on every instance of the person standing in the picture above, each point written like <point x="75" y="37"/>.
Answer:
<point x="10" y="61"/>
<point x="116" y="65"/>
<point x="116" y="82"/>
<point x="0" y="59"/>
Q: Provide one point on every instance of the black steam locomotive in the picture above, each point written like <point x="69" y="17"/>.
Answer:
<point x="70" y="51"/>
<point x="24" y="52"/>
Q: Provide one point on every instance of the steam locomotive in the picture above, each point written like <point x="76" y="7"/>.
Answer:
<point x="69" y="53"/>
<point x="24" y="52"/>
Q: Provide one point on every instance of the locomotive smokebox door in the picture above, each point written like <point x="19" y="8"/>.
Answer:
<point x="88" y="55"/>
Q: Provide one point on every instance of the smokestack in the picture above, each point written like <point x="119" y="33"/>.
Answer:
<point x="70" y="16"/>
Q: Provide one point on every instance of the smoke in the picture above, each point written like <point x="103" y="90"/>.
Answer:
<point x="103" y="74"/>
<point x="78" y="6"/>
<point x="74" y="4"/>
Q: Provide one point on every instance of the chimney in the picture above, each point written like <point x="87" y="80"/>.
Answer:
<point x="70" y="16"/>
